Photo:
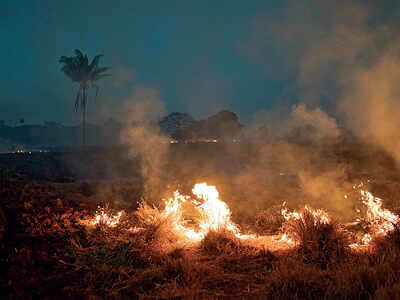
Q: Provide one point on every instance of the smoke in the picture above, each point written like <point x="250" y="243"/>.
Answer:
<point x="302" y="123"/>
<point x="318" y="43"/>
<point x="145" y="140"/>
<point x="328" y="190"/>
<point x="318" y="121"/>
<point x="371" y="105"/>
<point x="123" y="76"/>
<point x="342" y="58"/>
<point x="295" y="163"/>
<point x="142" y="104"/>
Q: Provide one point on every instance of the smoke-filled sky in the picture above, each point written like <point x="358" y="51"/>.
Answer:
<point x="196" y="57"/>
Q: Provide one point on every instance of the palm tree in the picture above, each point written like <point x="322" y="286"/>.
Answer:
<point x="78" y="69"/>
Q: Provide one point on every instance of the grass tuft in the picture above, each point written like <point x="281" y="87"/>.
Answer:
<point x="320" y="243"/>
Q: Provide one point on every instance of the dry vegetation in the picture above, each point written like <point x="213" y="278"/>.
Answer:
<point x="47" y="253"/>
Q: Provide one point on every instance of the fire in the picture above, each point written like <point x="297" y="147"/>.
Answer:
<point x="174" y="213"/>
<point x="318" y="214"/>
<point x="381" y="220"/>
<point x="214" y="214"/>
<point x="286" y="239"/>
<point x="103" y="218"/>
<point x="210" y="213"/>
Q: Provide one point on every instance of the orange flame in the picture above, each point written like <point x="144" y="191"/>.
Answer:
<point x="382" y="220"/>
<point x="214" y="213"/>
<point x="319" y="214"/>
<point x="102" y="218"/>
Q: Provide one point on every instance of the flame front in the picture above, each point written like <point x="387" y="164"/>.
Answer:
<point x="318" y="214"/>
<point x="214" y="213"/>
<point x="381" y="220"/>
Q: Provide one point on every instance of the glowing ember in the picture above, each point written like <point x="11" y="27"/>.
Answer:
<point x="286" y="239"/>
<point x="136" y="229"/>
<point x="102" y="218"/>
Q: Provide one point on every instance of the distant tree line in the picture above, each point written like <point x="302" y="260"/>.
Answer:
<point x="223" y="126"/>
<point x="179" y="126"/>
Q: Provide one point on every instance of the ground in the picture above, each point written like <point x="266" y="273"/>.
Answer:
<point x="48" y="251"/>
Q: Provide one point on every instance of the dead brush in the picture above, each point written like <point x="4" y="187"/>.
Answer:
<point x="178" y="273"/>
<point x="319" y="242"/>
<point x="156" y="234"/>
<point x="388" y="245"/>
<point x="225" y="243"/>
<point x="269" y="221"/>
<point x="220" y="242"/>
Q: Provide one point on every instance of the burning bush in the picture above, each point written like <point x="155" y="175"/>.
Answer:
<point x="321" y="241"/>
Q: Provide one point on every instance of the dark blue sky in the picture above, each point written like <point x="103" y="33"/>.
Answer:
<point x="199" y="56"/>
<point x="189" y="51"/>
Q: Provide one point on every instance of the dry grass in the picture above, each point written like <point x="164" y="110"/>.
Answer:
<point x="47" y="254"/>
<point x="269" y="221"/>
<point x="320" y="243"/>
<point x="116" y="263"/>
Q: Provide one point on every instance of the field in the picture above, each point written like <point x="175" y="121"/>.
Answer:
<point x="93" y="224"/>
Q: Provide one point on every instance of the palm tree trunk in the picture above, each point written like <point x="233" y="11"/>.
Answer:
<point x="84" y="117"/>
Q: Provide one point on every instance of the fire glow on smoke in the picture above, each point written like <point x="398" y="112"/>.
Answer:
<point x="210" y="213"/>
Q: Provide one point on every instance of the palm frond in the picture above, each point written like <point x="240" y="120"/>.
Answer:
<point x="97" y="73"/>
<point x="78" y="69"/>
<point x="95" y="77"/>
<point x="79" y="54"/>
<point x="66" y="60"/>
<point x="95" y="62"/>
<point x="71" y="72"/>
<point x="100" y="70"/>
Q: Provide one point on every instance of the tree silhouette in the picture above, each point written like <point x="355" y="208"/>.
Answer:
<point x="78" y="69"/>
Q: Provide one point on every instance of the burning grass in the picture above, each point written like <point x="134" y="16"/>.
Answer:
<point x="190" y="248"/>
<point x="320" y="240"/>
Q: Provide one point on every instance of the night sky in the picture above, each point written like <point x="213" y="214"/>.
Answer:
<point x="197" y="57"/>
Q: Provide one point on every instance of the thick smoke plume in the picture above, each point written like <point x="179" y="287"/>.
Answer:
<point x="341" y="57"/>
<point x="344" y="56"/>
<point x="341" y="60"/>
<point x="371" y="105"/>
<point x="295" y="162"/>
